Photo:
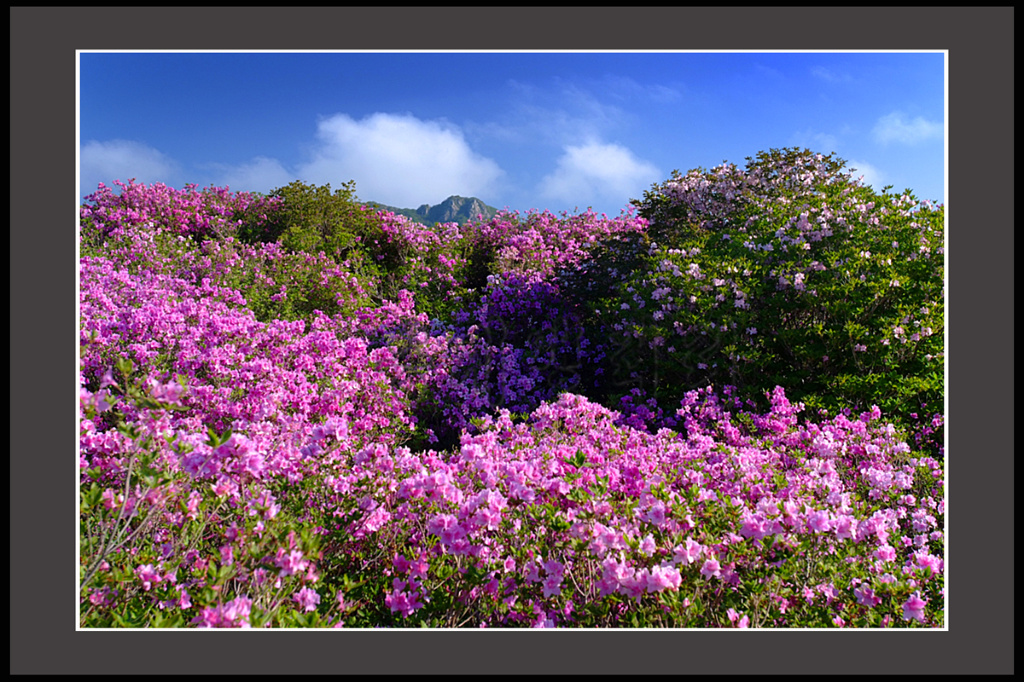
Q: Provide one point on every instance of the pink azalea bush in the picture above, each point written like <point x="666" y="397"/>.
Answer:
<point x="213" y="211"/>
<point x="788" y="272"/>
<point x="273" y="437"/>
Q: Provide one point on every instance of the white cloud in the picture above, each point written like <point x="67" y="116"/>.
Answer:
<point x="399" y="160"/>
<point x="259" y="175"/>
<point x="123" y="160"/>
<point x="606" y="172"/>
<point x="872" y="176"/>
<point x="895" y="127"/>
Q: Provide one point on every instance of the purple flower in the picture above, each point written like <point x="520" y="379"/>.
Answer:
<point x="290" y="563"/>
<point x="913" y="608"/>
<point x="307" y="599"/>
<point x="552" y="585"/>
<point x="866" y="596"/>
<point x="148" y="575"/>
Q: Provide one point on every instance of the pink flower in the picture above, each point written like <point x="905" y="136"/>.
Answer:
<point x="402" y="603"/>
<point x="819" y="521"/>
<point x="663" y="577"/>
<point x="845" y="527"/>
<point x="689" y="552"/>
<point x="233" y="614"/>
<point x="885" y="553"/>
<point x="656" y="514"/>
<point x="237" y="611"/>
<point x="148" y="575"/>
<point x="866" y="596"/>
<point x="290" y="564"/>
<point x="647" y="546"/>
<point x="926" y="560"/>
<point x="307" y="599"/>
<point x="711" y="568"/>
<point x="734" y="617"/>
<point x="552" y="585"/>
<point x="914" y="608"/>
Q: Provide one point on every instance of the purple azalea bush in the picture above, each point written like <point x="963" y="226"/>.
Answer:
<point x="273" y="437"/>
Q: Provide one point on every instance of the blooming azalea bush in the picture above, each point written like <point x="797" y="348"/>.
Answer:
<point x="787" y="273"/>
<point x="213" y="211"/>
<point x="398" y="425"/>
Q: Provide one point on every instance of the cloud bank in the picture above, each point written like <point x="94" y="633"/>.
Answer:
<point x="596" y="171"/>
<point x="123" y="160"/>
<point x="398" y="160"/>
<point x="259" y="175"/>
<point x="895" y="127"/>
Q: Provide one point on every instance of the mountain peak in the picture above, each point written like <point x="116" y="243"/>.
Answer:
<point x="454" y="209"/>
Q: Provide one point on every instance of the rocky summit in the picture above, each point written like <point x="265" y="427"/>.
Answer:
<point x="454" y="209"/>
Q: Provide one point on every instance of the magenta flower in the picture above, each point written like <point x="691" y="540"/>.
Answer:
<point x="307" y="599"/>
<point x="741" y="621"/>
<point x="552" y="585"/>
<point x="711" y="569"/>
<point x="866" y="596"/>
<point x="291" y="563"/>
<point x="402" y="603"/>
<point x="148" y="575"/>
<point x="662" y="578"/>
<point x="885" y="553"/>
<point x="688" y="552"/>
<point x="845" y="527"/>
<point x="647" y="545"/>
<point x="926" y="560"/>
<point x="819" y="521"/>
<point x="233" y="614"/>
<point x="913" y="608"/>
<point x="400" y="563"/>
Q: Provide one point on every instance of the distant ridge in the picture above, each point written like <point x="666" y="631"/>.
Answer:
<point x="454" y="209"/>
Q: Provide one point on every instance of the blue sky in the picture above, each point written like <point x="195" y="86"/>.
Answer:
<point x="520" y="130"/>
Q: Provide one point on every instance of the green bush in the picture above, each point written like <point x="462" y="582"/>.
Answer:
<point x="786" y="273"/>
<point x="312" y="219"/>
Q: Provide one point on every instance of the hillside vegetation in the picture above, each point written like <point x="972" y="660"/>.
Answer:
<point x="722" y="408"/>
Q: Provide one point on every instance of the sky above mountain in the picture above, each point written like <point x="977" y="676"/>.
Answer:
<point x="562" y="131"/>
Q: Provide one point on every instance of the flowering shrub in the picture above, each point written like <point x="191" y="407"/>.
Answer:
<point x="788" y="273"/>
<point x="213" y="211"/>
<point x="403" y="427"/>
<point x="564" y="520"/>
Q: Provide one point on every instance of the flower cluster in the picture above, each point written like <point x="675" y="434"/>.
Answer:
<point x="414" y="425"/>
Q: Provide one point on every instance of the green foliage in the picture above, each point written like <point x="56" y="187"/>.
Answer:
<point x="312" y="219"/>
<point x="787" y="273"/>
<point x="313" y="216"/>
